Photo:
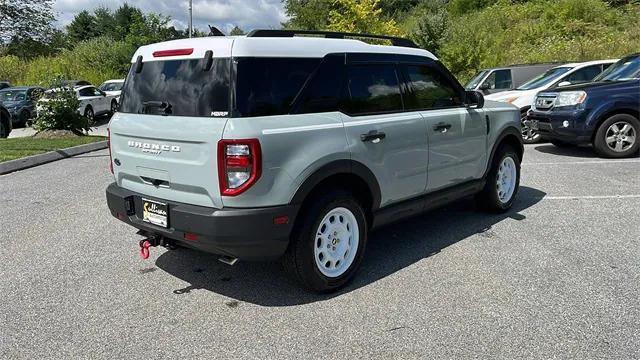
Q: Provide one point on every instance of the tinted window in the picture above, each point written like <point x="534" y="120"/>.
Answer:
<point x="268" y="86"/>
<point x="584" y="74"/>
<point x="322" y="93"/>
<point x="182" y="86"/>
<point x="86" y="92"/>
<point x="372" y="89"/>
<point x="112" y="86"/>
<point x="499" y="79"/>
<point x="430" y="89"/>
<point x="624" y="69"/>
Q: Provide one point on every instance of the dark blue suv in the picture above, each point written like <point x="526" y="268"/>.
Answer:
<point x="604" y="112"/>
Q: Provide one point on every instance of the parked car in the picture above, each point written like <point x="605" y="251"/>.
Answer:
<point x="604" y="113"/>
<point x="93" y="102"/>
<point x="113" y="88"/>
<point x="20" y="102"/>
<point x="302" y="149"/>
<point x="498" y="79"/>
<point x="4" y="84"/>
<point x="563" y="75"/>
<point x="5" y="122"/>
<point x="75" y="83"/>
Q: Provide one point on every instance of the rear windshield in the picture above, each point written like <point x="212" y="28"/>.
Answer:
<point x="178" y="88"/>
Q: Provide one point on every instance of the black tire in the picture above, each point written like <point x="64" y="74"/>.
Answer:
<point x="605" y="131"/>
<point x="24" y="118"/>
<point x="5" y="124"/>
<point x="114" y="107"/>
<point x="489" y="199"/>
<point x="88" y="113"/>
<point x="562" y="144"/>
<point x="300" y="258"/>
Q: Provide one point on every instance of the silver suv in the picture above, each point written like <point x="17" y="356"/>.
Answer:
<point x="272" y="146"/>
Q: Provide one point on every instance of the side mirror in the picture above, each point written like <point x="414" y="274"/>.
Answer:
<point x="564" y="83"/>
<point x="474" y="99"/>
<point x="484" y="87"/>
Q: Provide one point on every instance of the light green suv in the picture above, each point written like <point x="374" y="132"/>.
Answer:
<point x="272" y="146"/>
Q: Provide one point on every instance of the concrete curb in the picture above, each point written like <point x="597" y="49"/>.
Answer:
<point x="35" y="160"/>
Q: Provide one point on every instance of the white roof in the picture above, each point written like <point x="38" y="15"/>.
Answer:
<point x="113" y="81"/>
<point x="239" y="46"/>
<point x="587" y="63"/>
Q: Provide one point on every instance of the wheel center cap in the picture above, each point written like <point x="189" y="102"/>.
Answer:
<point x="334" y="241"/>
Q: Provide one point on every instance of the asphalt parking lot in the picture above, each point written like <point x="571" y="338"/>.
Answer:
<point x="557" y="277"/>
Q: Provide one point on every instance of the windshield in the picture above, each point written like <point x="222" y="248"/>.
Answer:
<point x="475" y="81"/>
<point x="13" y="95"/>
<point x="544" y="78"/>
<point x="112" y="86"/>
<point x="178" y="88"/>
<point x="625" y="69"/>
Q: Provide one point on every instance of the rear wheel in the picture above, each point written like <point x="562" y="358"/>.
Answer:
<point x="503" y="181"/>
<point x="617" y="137"/>
<point x="5" y="124"/>
<point x="88" y="113"/>
<point x="327" y="245"/>
<point x="114" y="107"/>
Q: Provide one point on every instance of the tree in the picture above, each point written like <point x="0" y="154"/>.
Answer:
<point x="124" y="17"/>
<point x="236" y="31"/>
<point x="362" y="16"/>
<point x="82" y="27"/>
<point x="432" y="25"/>
<point x="307" y="14"/>
<point x="105" y="22"/>
<point x="25" y="19"/>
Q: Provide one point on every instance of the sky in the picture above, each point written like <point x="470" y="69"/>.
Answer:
<point x="224" y="14"/>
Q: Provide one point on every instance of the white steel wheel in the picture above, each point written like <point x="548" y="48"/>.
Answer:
<point x="506" y="179"/>
<point x="336" y="242"/>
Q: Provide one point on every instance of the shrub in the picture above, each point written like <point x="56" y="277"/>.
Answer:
<point x="59" y="111"/>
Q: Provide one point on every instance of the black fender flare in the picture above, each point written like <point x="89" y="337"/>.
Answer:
<point x="509" y="131"/>
<point x="336" y="167"/>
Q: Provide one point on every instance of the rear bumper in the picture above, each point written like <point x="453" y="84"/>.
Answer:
<point x="550" y="126"/>
<point x="247" y="234"/>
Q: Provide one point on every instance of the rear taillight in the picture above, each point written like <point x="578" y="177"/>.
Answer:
<point x="239" y="165"/>
<point x="109" y="146"/>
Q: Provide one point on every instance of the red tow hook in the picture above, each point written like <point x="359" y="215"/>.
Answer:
<point x="144" y="248"/>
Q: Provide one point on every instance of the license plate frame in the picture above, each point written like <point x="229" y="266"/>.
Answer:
<point x="155" y="212"/>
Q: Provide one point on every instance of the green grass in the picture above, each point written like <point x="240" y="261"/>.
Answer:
<point x="11" y="149"/>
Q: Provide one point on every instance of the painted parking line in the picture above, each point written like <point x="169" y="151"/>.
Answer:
<point x="583" y="162"/>
<point x="588" y="197"/>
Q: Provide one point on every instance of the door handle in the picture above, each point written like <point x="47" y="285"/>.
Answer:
<point x="442" y="127"/>
<point x="374" y="136"/>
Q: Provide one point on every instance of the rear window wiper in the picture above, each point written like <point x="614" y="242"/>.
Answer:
<point x="161" y="107"/>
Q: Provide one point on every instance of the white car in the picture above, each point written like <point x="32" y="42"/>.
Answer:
<point x="113" y="88"/>
<point x="93" y="101"/>
<point x="563" y="75"/>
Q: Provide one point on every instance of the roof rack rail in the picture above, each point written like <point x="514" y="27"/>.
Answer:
<point x="395" y="41"/>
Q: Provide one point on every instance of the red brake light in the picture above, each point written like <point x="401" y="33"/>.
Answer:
<point x="174" y="52"/>
<point x="109" y="146"/>
<point x="239" y="165"/>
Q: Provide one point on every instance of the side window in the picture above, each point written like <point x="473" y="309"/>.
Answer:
<point x="268" y="86"/>
<point x="584" y="75"/>
<point x="498" y="79"/>
<point x="322" y="93"/>
<point x="86" y="92"/>
<point x="372" y="89"/>
<point x="430" y="89"/>
<point x="96" y="92"/>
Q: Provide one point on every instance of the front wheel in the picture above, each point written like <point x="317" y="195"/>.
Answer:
<point x="503" y="181"/>
<point x="617" y="137"/>
<point x="327" y="245"/>
<point x="88" y="113"/>
<point x="114" y="107"/>
<point x="529" y="135"/>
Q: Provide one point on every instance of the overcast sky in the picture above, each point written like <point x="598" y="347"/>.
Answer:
<point x="224" y="14"/>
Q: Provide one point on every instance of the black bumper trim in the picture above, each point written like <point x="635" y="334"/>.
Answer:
<point x="248" y="234"/>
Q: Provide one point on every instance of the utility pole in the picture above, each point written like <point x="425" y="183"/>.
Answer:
<point x="190" y="18"/>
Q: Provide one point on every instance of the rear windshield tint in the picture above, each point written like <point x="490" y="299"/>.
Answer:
<point x="178" y="88"/>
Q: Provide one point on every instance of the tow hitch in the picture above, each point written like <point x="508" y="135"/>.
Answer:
<point x="145" y="244"/>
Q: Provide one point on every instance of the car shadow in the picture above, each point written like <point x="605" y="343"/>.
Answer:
<point x="407" y="242"/>
<point x="583" y="151"/>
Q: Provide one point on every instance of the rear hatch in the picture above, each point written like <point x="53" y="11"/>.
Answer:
<point x="164" y="137"/>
